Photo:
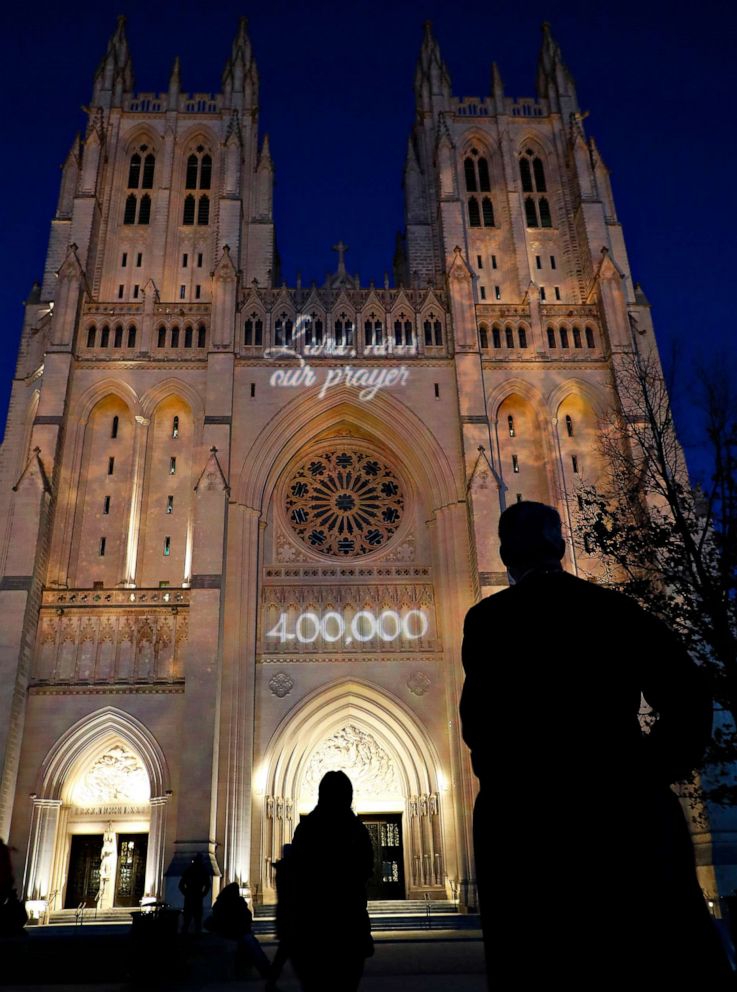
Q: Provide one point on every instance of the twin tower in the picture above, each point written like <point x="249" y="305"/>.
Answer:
<point x="242" y="522"/>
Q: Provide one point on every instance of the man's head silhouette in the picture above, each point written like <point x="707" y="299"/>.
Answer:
<point x="531" y="537"/>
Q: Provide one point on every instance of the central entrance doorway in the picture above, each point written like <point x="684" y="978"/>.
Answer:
<point x="385" y="830"/>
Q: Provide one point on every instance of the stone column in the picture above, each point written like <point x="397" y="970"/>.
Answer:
<point x="155" y="855"/>
<point x="41" y="845"/>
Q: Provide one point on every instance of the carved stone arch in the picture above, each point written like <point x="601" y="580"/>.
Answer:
<point x="539" y="143"/>
<point x="386" y="418"/>
<point x="86" y="736"/>
<point x="475" y="138"/>
<point x="591" y="394"/>
<point x="142" y="134"/>
<point x="179" y="388"/>
<point x="519" y="387"/>
<point x="384" y="720"/>
<point x="198" y="134"/>
<point x="102" y="389"/>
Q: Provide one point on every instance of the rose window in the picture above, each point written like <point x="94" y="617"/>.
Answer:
<point x="344" y="502"/>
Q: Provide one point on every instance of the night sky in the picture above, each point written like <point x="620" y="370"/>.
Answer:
<point x="337" y="102"/>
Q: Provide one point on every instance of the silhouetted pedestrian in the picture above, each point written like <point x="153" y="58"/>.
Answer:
<point x="231" y="918"/>
<point x="13" y="916"/>
<point x="332" y="860"/>
<point x="194" y="885"/>
<point x="285" y="915"/>
<point x="582" y="851"/>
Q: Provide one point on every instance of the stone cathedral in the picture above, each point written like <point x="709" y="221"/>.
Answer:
<point x="242" y="522"/>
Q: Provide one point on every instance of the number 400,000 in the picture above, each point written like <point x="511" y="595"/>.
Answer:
<point x="364" y="626"/>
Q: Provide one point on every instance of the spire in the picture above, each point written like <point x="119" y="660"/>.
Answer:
<point x="432" y="79"/>
<point x="114" y="76"/>
<point x="175" y="85"/>
<point x="554" y="80"/>
<point x="497" y="88"/>
<point x="240" y="77"/>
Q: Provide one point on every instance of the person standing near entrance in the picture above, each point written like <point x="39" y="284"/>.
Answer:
<point x="582" y="851"/>
<point x="194" y="885"/>
<point x="330" y="862"/>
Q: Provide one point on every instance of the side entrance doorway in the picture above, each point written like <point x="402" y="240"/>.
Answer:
<point x="385" y="830"/>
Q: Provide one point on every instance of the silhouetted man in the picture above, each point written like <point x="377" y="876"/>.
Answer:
<point x="194" y="885"/>
<point x="330" y="861"/>
<point x="583" y="857"/>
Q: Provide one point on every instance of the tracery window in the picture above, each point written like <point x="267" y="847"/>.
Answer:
<point x="344" y="502"/>
<point x="313" y="331"/>
<point x="478" y="180"/>
<point x="283" y="331"/>
<point x="343" y="331"/>
<point x="373" y="331"/>
<point x="532" y="175"/>
<point x="140" y="176"/>
<point x="433" y="331"/>
<point x="253" y="330"/>
<point x="403" y="330"/>
<point x="198" y="176"/>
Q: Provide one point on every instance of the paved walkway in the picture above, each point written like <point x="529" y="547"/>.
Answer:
<point x="403" y="962"/>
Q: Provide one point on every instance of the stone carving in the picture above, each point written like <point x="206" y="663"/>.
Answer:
<point x="281" y="684"/>
<point x="117" y="775"/>
<point x="100" y="646"/>
<point x="418" y="683"/>
<point x="357" y="753"/>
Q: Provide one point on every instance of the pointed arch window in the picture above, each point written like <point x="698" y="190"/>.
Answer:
<point x="91" y="333"/>
<point x="105" y="337"/>
<point x="129" y="215"/>
<point x="343" y="331"/>
<point x="283" y="331"/>
<point x="474" y="214"/>
<point x="522" y="335"/>
<point x="175" y="337"/>
<point x="253" y="330"/>
<point x="188" y="336"/>
<point x="144" y="210"/>
<point x="403" y="332"/>
<point x="496" y="337"/>
<point x="132" y="336"/>
<point x="201" y="336"/>
<point x="564" y="337"/>
<point x="373" y="331"/>
<point x="198" y="176"/>
<point x="478" y="180"/>
<point x="577" y="343"/>
<point x="551" y="337"/>
<point x="141" y="171"/>
<point x="118" y="337"/>
<point x="590" y="342"/>
<point x="483" y="336"/>
<point x="188" y="215"/>
<point x="509" y="337"/>
<point x="161" y="339"/>
<point x="532" y="176"/>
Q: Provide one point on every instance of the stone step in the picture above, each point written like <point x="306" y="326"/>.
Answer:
<point x="394" y="907"/>
<point x="65" y="917"/>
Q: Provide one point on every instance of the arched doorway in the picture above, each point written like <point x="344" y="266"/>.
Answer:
<point x="398" y="785"/>
<point x="97" y="831"/>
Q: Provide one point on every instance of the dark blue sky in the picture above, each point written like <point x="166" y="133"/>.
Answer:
<point x="337" y="101"/>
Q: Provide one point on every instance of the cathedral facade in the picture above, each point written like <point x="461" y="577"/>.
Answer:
<point x="242" y="522"/>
